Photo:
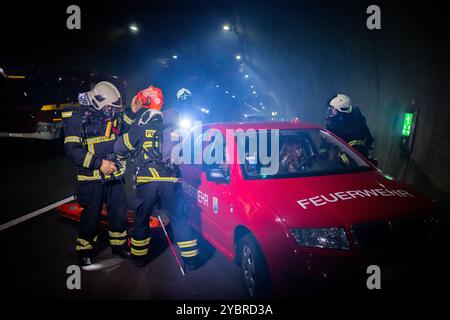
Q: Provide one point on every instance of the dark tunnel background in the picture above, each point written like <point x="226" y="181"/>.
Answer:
<point x="297" y="55"/>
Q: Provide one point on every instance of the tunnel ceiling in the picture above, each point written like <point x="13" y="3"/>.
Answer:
<point x="292" y="52"/>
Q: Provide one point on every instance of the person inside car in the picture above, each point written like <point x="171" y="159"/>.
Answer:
<point x="292" y="156"/>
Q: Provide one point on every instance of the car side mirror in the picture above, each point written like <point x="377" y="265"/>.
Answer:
<point x="216" y="175"/>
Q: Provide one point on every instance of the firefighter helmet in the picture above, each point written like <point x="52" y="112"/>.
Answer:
<point x="151" y="98"/>
<point x="104" y="94"/>
<point x="341" y="103"/>
<point x="184" y="94"/>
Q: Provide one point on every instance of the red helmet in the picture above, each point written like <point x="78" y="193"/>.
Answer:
<point x="151" y="98"/>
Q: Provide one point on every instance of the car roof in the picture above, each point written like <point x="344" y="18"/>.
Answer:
<point x="270" y="125"/>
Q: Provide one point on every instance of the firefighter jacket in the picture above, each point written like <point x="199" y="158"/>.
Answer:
<point x="89" y="139"/>
<point x="352" y="128"/>
<point x="144" y="142"/>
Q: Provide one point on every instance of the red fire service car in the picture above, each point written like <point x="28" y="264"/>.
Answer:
<point x="325" y="211"/>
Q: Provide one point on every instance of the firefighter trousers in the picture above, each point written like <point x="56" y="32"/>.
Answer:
<point x="91" y="196"/>
<point x="169" y="197"/>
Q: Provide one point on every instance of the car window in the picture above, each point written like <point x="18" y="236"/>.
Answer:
<point x="301" y="153"/>
<point x="215" y="147"/>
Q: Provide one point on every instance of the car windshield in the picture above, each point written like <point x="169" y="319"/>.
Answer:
<point x="300" y="153"/>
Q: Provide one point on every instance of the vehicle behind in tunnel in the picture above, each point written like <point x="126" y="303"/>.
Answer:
<point x="317" y="216"/>
<point x="32" y="101"/>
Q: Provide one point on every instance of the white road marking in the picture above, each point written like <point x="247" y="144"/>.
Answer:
<point x="35" y="213"/>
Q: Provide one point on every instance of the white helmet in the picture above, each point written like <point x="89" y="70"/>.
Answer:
<point x="104" y="94"/>
<point x="341" y="103"/>
<point x="184" y="94"/>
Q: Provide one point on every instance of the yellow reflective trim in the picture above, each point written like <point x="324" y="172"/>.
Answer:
<point x="49" y="107"/>
<point x="189" y="254"/>
<point x="127" y="119"/>
<point x="78" y="248"/>
<point x="95" y="176"/>
<point x="54" y="107"/>
<point x="149" y="133"/>
<point x="356" y="143"/>
<point x="83" y="242"/>
<point x="344" y="158"/>
<point x="126" y="141"/>
<point x="119" y="173"/>
<point x="100" y="139"/>
<point x="117" y="234"/>
<point x="154" y="172"/>
<point x="66" y="114"/>
<point x="108" y="130"/>
<point x="136" y="252"/>
<point x="187" y="244"/>
<point x="16" y="77"/>
<point x="115" y="242"/>
<point x="57" y="119"/>
<point x="140" y="243"/>
<point x="147" y="145"/>
<point x="92" y="141"/>
<point x="144" y="179"/>
<point x="90" y="148"/>
<point x="87" y="159"/>
<point x="83" y="245"/>
<point x="73" y="139"/>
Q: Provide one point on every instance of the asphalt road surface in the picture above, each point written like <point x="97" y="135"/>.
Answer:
<point x="39" y="250"/>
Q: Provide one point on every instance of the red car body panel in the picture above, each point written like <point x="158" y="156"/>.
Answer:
<point x="269" y="208"/>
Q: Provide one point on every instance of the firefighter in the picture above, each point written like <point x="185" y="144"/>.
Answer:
<point x="156" y="181"/>
<point x="184" y="100"/>
<point x="348" y="123"/>
<point x="90" y="131"/>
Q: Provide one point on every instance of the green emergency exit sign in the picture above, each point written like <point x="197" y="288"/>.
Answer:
<point x="407" y="124"/>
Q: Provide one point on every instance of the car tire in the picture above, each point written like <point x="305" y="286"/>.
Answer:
<point x="254" y="270"/>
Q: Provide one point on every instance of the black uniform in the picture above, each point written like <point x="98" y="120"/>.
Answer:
<point x="156" y="183"/>
<point x="352" y="128"/>
<point x="89" y="138"/>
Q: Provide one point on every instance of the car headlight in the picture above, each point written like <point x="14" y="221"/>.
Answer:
<point x="329" y="238"/>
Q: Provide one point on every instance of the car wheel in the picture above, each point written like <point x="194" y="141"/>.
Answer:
<point x="255" y="274"/>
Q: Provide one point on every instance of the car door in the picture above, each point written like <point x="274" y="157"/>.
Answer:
<point x="215" y="197"/>
<point x="210" y="206"/>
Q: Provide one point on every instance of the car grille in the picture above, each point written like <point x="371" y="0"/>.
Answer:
<point x="391" y="234"/>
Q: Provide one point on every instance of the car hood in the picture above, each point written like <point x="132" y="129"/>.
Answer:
<point x="340" y="200"/>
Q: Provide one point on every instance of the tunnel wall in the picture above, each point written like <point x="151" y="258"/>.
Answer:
<point x="405" y="64"/>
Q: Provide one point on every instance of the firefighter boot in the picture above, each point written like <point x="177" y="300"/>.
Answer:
<point x="121" y="251"/>
<point x="85" y="258"/>
<point x="140" y="261"/>
<point x="193" y="263"/>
